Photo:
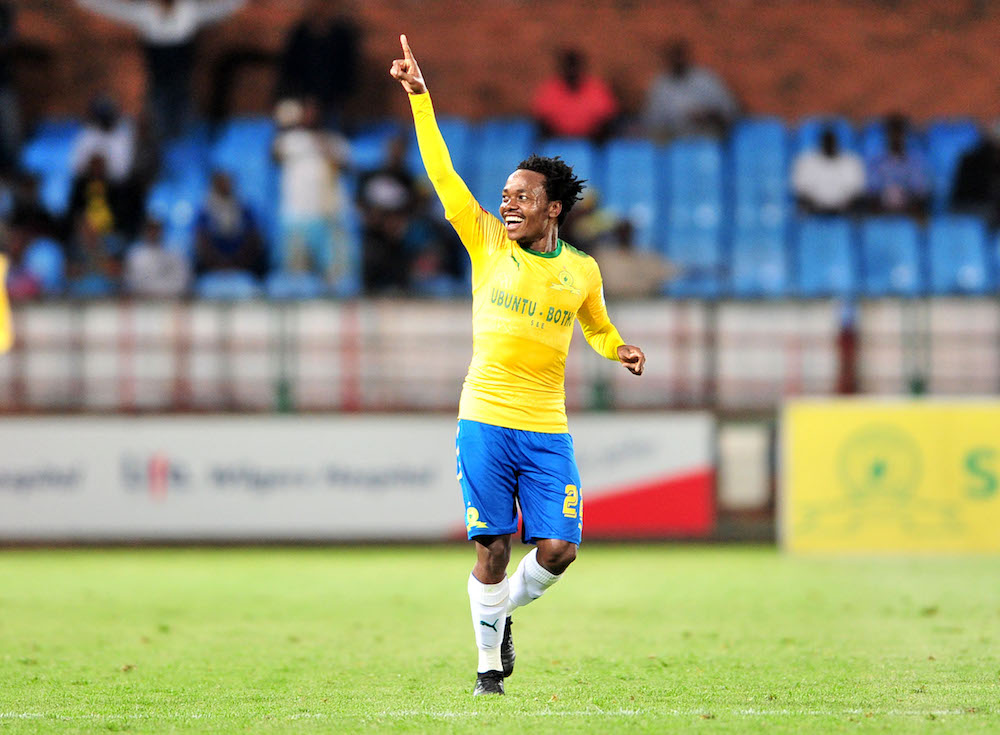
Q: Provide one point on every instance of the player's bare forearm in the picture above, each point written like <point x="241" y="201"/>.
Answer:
<point x="632" y="358"/>
<point x="406" y="71"/>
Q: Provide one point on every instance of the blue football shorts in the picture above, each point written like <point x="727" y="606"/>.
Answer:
<point x="500" y="469"/>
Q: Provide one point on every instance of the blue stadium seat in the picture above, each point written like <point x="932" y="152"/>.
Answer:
<point x="758" y="263"/>
<point x="809" y="129"/>
<point x="457" y="135"/>
<point x="694" y="217"/>
<point x="501" y="143"/>
<point x="48" y="157"/>
<point x="176" y="205"/>
<point x="825" y="257"/>
<point x="93" y="286"/>
<point x="44" y="258"/>
<point x="227" y="286"/>
<point x="294" y="286"/>
<point x="890" y="257"/>
<point x="760" y="174"/>
<point x="633" y="188"/>
<point x="947" y="142"/>
<point x="582" y="155"/>
<point x="370" y="145"/>
<point x="959" y="261"/>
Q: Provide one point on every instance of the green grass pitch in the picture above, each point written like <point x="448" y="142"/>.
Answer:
<point x="633" y="639"/>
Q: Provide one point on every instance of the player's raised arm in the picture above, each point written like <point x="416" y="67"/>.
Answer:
<point x="450" y="188"/>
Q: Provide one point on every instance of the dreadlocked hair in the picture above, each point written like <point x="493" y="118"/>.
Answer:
<point x="560" y="182"/>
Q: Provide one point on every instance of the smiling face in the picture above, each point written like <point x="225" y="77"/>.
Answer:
<point x="525" y="208"/>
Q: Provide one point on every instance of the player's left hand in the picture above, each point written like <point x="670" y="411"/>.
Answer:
<point x="632" y="358"/>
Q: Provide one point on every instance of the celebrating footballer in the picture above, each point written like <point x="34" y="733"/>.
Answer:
<point x="513" y="445"/>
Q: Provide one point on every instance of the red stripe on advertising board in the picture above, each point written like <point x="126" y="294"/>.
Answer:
<point x="677" y="505"/>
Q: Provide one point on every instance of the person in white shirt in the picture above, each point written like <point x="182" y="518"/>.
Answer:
<point x="828" y="180"/>
<point x="167" y="29"/>
<point x="109" y="135"/>
<point x="153" y="271"/>
<point x="313" y="232"/>
<point x="686" y="100"/>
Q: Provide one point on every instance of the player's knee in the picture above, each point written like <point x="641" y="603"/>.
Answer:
<point x="556" y="555"/>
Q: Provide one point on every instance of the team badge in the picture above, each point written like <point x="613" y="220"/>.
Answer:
<point x="566" y="283"/>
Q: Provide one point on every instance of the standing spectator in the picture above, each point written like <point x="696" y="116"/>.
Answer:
<point x="574" y="103"/>
<point x="320" y="59"/>
<point x="898" y="180"/>
<point x="10" y="109"/>
<point x="685" y="99"/>
<point x="828" y="180"/>
<point x="107" y="134"/>
<point x="226" y="233"/>
<point x="313" y="231"/>
<point x="152" y="270"/>
<point x="977" y="180"/>
<point x="168" y="29"/>
<point x="387" y="198"/>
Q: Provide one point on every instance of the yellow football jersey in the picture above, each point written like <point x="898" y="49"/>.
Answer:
<point x="524" y="304"/>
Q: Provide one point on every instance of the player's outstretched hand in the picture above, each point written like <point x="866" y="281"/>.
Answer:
<point x="632" y="358"/>
<point x="407" y="72"/>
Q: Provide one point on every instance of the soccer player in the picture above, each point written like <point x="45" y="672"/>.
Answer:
<point x="513" y="449"/>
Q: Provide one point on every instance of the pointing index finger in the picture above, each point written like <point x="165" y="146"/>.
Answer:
<point x="406" y="47"/>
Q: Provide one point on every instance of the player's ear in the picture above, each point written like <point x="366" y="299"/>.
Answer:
<point x="555" y="209"/>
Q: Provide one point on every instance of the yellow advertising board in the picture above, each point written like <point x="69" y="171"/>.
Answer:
<point x="871" y="476"/>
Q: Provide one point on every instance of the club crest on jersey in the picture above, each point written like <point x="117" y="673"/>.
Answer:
<point x="566" y="283"/>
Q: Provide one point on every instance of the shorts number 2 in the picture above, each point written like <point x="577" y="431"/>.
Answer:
<point x="571" y="502"/>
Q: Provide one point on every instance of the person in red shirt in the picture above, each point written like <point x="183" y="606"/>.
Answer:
<point x="573" y="103"/>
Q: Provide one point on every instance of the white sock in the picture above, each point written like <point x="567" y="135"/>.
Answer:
<point x="489" y="616"/>
<point x="529" y="581"/>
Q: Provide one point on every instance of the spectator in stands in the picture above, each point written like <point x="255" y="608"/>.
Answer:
<point x="226" y="233"/>
<point x="107" y="134"/>
<point x="627" y="272"/>
<point x="436" y="257"/>
<point x="976" y="189"/>
<point x="574" y="103"/>
<point x="828" y="180"/>
<point x="588" y="224"/>
<point x="387" y="198"/>
<point x="96" y="207"/>
<point x="685" y="99"/>
<point x="899" y="180"/>
<point x="313" y="230"/>
<point x="320" y="59"/>
<point x="24" y="209"/>
<point x="10" y="108"/>
<point x="168" y="29"/>
<point x="152" y="270"/>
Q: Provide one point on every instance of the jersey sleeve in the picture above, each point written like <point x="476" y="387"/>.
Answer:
<point x="593" y="316"/>
<point x="6" y="323"/>
<point x="451" y="190"/>
<point x="480" y="232"/>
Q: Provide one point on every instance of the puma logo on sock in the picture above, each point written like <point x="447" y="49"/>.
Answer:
<point x="491" y="625"/>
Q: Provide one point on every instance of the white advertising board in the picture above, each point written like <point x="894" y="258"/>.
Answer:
<point x="287" y="478"/>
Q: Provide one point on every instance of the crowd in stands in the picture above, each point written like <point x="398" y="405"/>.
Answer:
<point x="336" y="207"/>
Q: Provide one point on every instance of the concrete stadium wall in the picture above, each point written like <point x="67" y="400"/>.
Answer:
<point x="413" y="355"/>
